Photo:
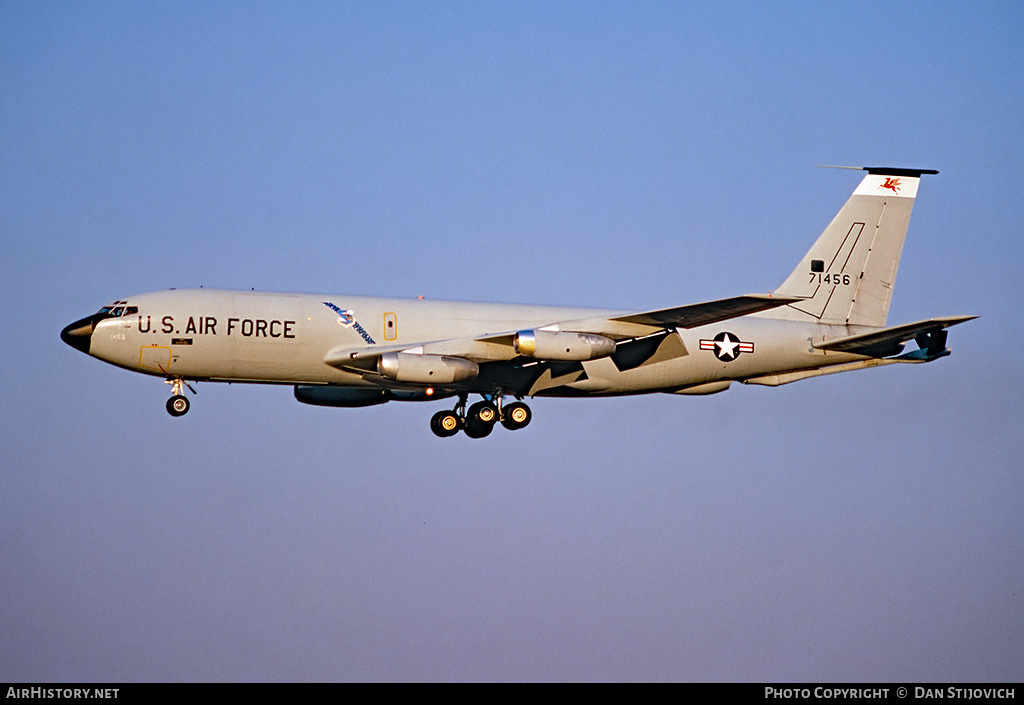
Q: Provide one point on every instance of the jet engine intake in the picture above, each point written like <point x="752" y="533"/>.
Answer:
<point x="426" y="369"/>
<point x="563" y="345"/>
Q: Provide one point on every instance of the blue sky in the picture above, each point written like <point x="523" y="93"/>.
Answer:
<point x="861" y="527"/>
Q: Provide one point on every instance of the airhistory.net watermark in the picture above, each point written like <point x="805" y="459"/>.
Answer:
<point x="62" y="693"/>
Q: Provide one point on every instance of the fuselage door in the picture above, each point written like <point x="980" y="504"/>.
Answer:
<point x="390" y="326"/>
<point x="156" y="358"/>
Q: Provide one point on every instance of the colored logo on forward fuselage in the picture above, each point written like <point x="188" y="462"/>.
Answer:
<point x="347" y="318"/>
<point x="726" y="346"/>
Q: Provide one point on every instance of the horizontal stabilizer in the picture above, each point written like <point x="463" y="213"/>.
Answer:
<point x="709" y="312"/>
<point x="885" y="170"/>
<point x="889" y="341"/>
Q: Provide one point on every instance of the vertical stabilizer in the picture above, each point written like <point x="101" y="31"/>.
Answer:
<point x="848" y="274"/>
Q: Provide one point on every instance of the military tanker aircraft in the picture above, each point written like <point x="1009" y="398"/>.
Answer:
<point x="339" y="350"/>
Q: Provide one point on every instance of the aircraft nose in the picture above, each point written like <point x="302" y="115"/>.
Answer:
<point x="79" y="334"/>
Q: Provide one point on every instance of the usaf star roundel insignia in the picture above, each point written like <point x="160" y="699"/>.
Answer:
<point x="726" y="346"/>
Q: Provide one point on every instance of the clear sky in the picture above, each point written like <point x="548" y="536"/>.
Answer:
<point x="860" y="527"/>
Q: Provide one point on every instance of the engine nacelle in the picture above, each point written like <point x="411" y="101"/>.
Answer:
<point x="426" y="369"/>
<point x="563" y="345"/>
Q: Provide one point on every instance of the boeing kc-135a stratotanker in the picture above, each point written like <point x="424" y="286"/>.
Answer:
<point x="828" y="316"/>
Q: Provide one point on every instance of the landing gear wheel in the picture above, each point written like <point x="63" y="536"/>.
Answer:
<point x="480" y="419"/>
<point x="177" y="405"/>
<point x="483" y="411"/>
<point x="445" y="423"/>
<point x="477" y="429"/>
<point x="515" y="416"/>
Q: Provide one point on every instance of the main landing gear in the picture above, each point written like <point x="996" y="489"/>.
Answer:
<point x="178" y="404"/>
<point x="479" y="420"/>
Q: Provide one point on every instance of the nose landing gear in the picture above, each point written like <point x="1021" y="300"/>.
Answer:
<point x="178" y="404"/>
<point x="479" y="420"/>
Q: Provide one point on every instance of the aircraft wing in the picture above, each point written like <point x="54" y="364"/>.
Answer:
<point x="889" y="341"/>
<point x="702" y="314"/>
<point x="499" y="345"/>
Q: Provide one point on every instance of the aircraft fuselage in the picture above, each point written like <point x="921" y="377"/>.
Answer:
<point x="206" y="334"/>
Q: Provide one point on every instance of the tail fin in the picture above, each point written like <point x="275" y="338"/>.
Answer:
<point x="847" y="276"/>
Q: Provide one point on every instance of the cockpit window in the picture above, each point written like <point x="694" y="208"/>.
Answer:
<point x="117" y="309"/>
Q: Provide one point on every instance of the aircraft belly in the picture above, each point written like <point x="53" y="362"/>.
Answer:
<point x="603" y="377"/>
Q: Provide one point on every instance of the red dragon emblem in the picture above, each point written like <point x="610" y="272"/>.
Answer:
<point x="891" y="184"/>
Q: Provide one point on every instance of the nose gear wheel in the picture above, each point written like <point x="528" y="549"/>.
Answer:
<point x="178" y="404"/>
